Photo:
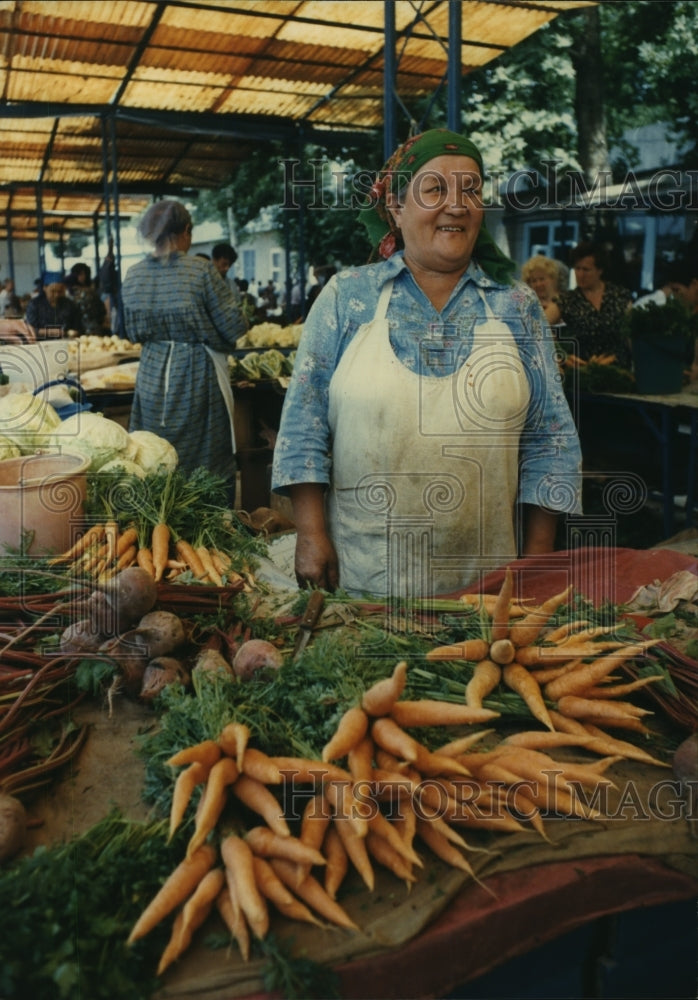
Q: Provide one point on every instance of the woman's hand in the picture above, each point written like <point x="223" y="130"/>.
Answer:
<point x="316" y="561"/>
<point x="316" y="557"/>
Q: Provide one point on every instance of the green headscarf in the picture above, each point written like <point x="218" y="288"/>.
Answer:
<point x="407" y="159"/>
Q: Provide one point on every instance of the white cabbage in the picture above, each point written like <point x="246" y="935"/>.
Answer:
<point x="8" y="449"/>
<point x="92" y="435"/>
<point x="27" y="421"/>
<point x="121" y="466"/>
<point x="153" y="452"/>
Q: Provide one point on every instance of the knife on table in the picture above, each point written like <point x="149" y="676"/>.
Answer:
<point x="308" y="622"/>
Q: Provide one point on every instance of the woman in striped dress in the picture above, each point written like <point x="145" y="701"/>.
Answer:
<point x="187" y="319"/>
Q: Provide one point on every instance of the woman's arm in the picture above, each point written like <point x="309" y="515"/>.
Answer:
<point x="316" y="558"/>
<point x="539" y="530"/>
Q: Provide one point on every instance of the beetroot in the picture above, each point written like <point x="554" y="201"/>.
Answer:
<point x="254" y="655"/>
<point x="81" y="637"/>
<point x="123" y="601"/>
<point x="161" y="632"/>
<point x="159" y="673"/>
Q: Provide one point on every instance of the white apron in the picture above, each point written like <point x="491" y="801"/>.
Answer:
<point x="425" y="468"/>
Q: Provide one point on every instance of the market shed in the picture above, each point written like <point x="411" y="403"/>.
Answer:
<point x="106" y="105"/>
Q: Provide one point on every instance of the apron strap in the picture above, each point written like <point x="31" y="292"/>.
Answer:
<point x="384" y="300"/>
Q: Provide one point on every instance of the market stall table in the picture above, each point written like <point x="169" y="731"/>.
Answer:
<point x="672" y="422"/>
<point x="448" y="929"/>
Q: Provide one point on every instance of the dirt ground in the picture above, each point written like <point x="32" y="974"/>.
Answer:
<point x="106" y="773"/>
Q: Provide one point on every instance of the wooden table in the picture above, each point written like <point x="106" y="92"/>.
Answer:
<point x="663" y="417"/>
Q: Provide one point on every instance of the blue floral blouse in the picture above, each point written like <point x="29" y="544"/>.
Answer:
<point x="549" y="452"/>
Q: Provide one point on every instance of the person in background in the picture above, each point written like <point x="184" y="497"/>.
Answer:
<point x="425" y="422"/>
<point x="223" y="256"/>
<point x="593" y="311"/>
<point x="51" y="309"/>
<point x="84" y="293"/>
<point x="108" y="283"/>
<point x="322" y="275"/>
<point x="662" y="290"/>
<point x="682" y="278"/>
<point x="6" y="293"/>
<point x="542" y="274"/>
<point x="187" y="320"/>
<point x="13" y="307"/>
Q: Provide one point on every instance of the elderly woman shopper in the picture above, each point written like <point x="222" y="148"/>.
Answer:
<point x="425" y="419"/>
<point x="593" y="312"/>
<point x="543" y="276"/>
<point x="187" y="318"/>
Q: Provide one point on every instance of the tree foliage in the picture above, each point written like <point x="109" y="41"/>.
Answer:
<point x="519" y="109"/>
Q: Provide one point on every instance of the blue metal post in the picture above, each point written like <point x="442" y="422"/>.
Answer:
<point x="455" y="8"/>
<point x="389" y="127"/>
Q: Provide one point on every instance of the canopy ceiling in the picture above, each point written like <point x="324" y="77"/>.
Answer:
<point x="175" y="94"/>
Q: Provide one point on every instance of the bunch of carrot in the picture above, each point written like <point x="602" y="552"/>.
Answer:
<point x="104" y="549"/>
<point x="370" y="762"/>
<point x="568" y="670"/>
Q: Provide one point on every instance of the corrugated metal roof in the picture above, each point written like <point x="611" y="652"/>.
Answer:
<point x="185" y="88"/>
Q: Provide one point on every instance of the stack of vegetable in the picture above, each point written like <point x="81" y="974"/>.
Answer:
<point x="259" y="365"/>
<point x="271" y="335"/>
<point x="393" y="779"/>
<point x="176" y="527"/>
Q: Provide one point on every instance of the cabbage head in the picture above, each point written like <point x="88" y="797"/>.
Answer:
<point x="8" y="449"/>
<point x="121" y="466"/>
<point x="27" y="421"/>
<point x="93" y="435"/>
<point x="152" y="452"/>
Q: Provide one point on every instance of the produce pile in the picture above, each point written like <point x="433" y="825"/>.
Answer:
<point x="279" y="782"/>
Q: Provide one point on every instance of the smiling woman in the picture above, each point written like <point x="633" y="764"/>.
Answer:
<point x="424" y="420"/>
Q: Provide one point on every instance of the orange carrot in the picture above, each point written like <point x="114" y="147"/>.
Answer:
<point x="233" y="740"/>
<point x="581" y="708"/>
<point x="360" y="760"/>
<point x="385" y="854"/>
<point x="470" y="649"/>
<point x="379" y="824"/>
<point x="267" y="844"/>
<point x="528" y="629"/>
<point x="207" y="562"/>
<point x="458" y="746"/>
<point x="234" y="919"/>
<point x="312" y="893"/>
<point x="187" y="552"/>
<point x="78" y="549"/>
<point x="488" y="602"/>
<point x="486" y="677"/>
<point x="192" y="916"/>
<point x="177" y="887"/>
<point x="278" y="893"/>
<point x="565" y="631"/>
<point x="355" y="846"/>
<point x="534" y="740"/>
<point x="223" y="773"/>
<point x="127" y="558"/>
<point x="304" y="771"/>
<point x="187" y="780"/>
<point x="591" y="674"/>
<point x="160" y="545"/>
<point x="519" y="680"/>
<point x="431" y="712"/>
<point x="127" y="538"/>
<point x="546" y="674"/>
<point x="315" y="823"/>
<point x="432" y="764"/>
<point x="207" y="753"/>
<point x="257" y="764"/>
<point x="144" y="559"/>
<point x="239" y="864"/>
<point x="500" y="612"/>
<point x="620" y="690"/>
<point x="391" y="737"/>
<point x="381" y="696"/>
<point x="337" y="862"/>
<point x="111" y="535"/>
<point x="444" y="849"/>
<point x="549" y="656"/>
<point x="259" y="799"/>
<point x="347" y="805"/>
<point x="351" y="729"/>
<point x="603" y="743"/>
